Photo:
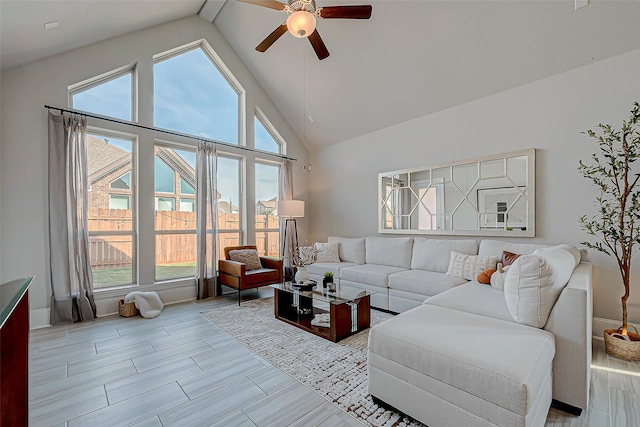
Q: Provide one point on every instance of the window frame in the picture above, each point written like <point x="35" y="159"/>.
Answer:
<point x="278" y="165"/>
<point x="133" y="205"/>
<point x="107" y="77"/>
<point x="224" y="71"/>
<point x="271" y="130"/>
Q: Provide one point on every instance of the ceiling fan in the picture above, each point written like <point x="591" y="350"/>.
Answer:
<point x="302" y="20"/>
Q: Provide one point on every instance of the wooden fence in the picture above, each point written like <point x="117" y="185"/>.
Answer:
<point x="113" y="251"/>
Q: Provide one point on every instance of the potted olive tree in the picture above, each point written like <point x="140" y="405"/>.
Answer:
<point x="617" y="224"/>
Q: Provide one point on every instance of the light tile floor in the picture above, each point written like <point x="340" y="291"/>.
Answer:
<point x="179" y="369"/>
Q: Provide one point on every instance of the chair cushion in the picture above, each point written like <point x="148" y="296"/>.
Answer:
<point x="249" y="257"/>
<point x="262" y="275"/>
<point x="504" y="363"/>
<point x="395" y="252"/>
<point x="421" y="282"/>
<point x="351" y="249"/>
<point x="369" y="274"/>
<point x="434" y="254"/>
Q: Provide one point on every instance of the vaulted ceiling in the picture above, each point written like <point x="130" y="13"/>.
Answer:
<point x="412" y="58"/>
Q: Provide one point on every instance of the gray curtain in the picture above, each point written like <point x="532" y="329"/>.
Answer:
<point x="285" y="191"/>
<point x="70" y="274"/>
<point x="207" y="214"/>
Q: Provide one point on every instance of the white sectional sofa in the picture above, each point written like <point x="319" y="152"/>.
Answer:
<point x="455" y="355"/>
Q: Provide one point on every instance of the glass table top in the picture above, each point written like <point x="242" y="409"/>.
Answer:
<point x="342" y="295"/>
<point x="10" y="294"/>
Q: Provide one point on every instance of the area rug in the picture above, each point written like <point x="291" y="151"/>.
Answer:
<point x="337" y="371"/>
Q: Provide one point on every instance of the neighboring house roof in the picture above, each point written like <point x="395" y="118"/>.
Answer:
<point x="271" y="205"/>
<point x="102" y="154"/>
<point x="223" y="206"/>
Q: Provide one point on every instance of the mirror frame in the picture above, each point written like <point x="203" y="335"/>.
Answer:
<point x="531" y="192"/>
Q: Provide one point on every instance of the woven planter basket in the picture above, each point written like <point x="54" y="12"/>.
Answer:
<point x="127" y="309"/>
<point x="627" y="350"/>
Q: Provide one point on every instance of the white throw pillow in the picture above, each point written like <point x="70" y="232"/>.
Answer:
<point x="328" y="252"/>
<point x="534" y="283"/>
<point x="497" y="279"/>
<point x="469" y="266"/>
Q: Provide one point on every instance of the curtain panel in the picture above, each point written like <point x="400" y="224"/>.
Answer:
<point x="207" y="220"/>
<point x="285" y="191"/>
<point x="70" y="274"/>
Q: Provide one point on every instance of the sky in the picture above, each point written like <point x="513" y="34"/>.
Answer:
<point x="190" y="96"/>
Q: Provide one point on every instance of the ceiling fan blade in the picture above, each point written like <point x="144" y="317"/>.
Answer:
<point x="318" y="45"/>
<point x="271" y="38"/>
<point x="271" y="4"/>
<point x="346" y="12"/>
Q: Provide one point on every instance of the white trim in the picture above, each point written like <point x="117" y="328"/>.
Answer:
<point x="39" y="318"/>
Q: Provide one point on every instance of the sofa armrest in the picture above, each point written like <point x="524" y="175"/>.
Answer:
<point x="233" y="268"/>
<point x="570" y="323"/>
<point x="274" y="263"/>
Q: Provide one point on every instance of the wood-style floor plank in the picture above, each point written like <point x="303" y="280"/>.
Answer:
<point x="179" y="369"/>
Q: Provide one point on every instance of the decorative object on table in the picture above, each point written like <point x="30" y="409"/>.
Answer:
<point x="149" y="303"/>
<point x="331" y="287"/>
<point x="328" y="278"/>
<point x="322" y="320"/>
<point x="307" y="285"/>
<point x="617" y="223"/>
<point x="301" y="257"/>
<point x="127" y="309"/>
<point x="290" y="209"/>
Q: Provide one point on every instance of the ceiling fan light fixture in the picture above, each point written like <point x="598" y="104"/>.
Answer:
<point x="301" y="24"/>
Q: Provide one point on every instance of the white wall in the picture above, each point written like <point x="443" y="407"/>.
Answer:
<point x="27" y="88"/>
<point x="547" y="115"/>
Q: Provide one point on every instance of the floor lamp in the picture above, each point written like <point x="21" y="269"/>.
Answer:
<point x="290" y="209"/>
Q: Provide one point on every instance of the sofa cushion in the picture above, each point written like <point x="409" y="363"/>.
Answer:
<point x="320" y="268"/>
<point x="350" y="249"/>
<point x="476" y="298"/>
<point x="434" y="254"/>
<point x="505" y="363"/>
<point x="469" y="266"/>
<point x="395" y="252"/>
<point x="328" y="252"/>
<point x="496" y="247"/>
<point x="425" y="283"/>
<point x="369" y="274"/>
<point x="534" y="282"/>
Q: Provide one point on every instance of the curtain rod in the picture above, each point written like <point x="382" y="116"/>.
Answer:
<point x="168" y="132"/>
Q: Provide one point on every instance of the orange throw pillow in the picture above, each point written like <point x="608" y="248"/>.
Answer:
<point x="485" y="276"/>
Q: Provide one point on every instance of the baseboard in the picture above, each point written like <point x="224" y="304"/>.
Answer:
<point x="39" y="318"/>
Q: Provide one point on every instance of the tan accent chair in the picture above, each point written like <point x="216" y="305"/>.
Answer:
<point x="235" y="275"/>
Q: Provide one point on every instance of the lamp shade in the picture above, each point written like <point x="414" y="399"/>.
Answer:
<point x="301" y="23"/>
<point x="291" y="208"/>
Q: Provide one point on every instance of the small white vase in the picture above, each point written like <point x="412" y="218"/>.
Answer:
<point x="301" y="275"/>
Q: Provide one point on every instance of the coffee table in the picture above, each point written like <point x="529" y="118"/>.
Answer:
<point x="349" y="309"/>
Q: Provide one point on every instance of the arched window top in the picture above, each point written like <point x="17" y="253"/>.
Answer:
<point x="192" y="95"/>
<point x="110" y="94"/>
<point x="265" y="135"/>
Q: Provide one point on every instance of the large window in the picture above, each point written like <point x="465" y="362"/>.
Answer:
<point x="175" y="229"/>
<point x="267" y="221"/>
<point x="137" y="179"/>
<point x="191" y="95"/>
<point x="111" y="216"/>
